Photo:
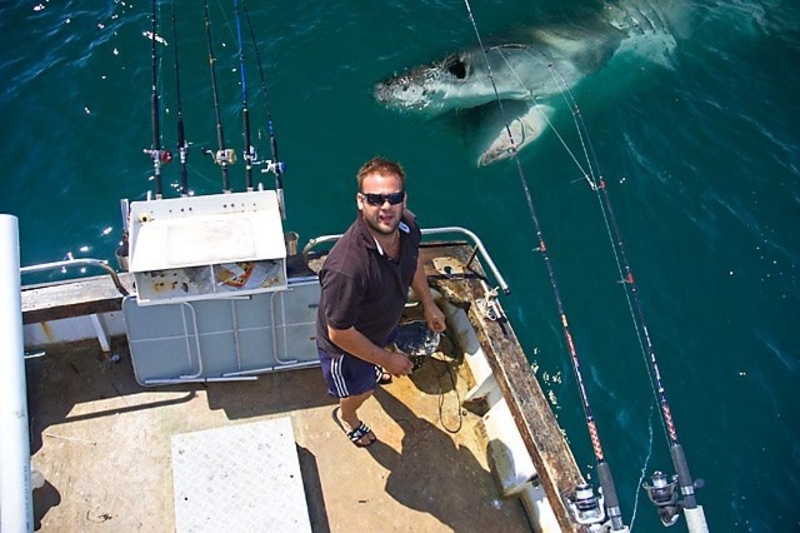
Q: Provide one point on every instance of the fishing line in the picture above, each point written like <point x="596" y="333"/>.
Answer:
<point x="223" y="156"/>
<point x="580" y="127"/>
<point x="274" y="165"/>
<point x="687" y="485"/>
<point x="593" y="174"/>
<point x="643" y="473"/>
<point x="561" y="83"/>
<point x="249" y="151"/>
<point x="603" y="470"/>
<point x="183" y="145"/>
<point x="623" y="266"/>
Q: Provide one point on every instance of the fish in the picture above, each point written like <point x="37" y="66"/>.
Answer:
<point x="537" y="70"/>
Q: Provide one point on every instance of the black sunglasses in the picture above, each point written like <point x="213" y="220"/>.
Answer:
<point x="378" y="199"/>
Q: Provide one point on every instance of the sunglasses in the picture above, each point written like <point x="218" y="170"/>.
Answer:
<point x="377" y="200"/>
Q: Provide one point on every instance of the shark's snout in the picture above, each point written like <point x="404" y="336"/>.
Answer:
<point x="381" y="92"/>
<point x="403" y="91"/>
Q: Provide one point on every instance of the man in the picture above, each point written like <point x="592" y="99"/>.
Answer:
<point x="365" y="281"/>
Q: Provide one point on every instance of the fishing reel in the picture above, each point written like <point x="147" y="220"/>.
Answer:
<point x="250" y="155"/>
<point x="226" y="156"/>
<point x="664" y="495"/>
<point x="163" y="157"/>
<point x="587" y="507"/>
<point x="276" y="167"/>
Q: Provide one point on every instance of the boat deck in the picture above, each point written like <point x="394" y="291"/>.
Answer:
<point x="103" y="443"/>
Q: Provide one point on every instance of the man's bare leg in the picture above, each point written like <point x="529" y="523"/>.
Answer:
<point x="349" y="413"/>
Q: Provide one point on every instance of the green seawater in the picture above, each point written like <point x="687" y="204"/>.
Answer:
<point x="701" y="157"/>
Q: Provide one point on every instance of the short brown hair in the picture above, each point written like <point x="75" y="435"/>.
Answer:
<point x="381" y="165"/>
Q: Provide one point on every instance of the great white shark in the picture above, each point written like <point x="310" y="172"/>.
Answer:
<point x="531" y="76"/>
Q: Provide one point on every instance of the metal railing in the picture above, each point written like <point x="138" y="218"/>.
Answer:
<point x="479" y="247"/>
<point x="83" y="261"/>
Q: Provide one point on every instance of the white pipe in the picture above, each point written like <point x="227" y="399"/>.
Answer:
<point x="16" y="501"/>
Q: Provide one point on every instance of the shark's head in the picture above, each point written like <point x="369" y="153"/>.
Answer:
<point x="458" y="81"/>
<point x="463" y="80"/>
<point x="430" y="88"/>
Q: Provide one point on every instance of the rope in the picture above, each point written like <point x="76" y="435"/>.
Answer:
<point x="439" y="376"/>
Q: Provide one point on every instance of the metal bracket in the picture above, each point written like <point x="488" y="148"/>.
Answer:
<point x="448" y="266"/>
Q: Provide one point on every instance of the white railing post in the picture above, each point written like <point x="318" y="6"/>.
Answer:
<point x="16" y="501"/>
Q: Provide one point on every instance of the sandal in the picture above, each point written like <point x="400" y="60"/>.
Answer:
<point x="359" y="433"/>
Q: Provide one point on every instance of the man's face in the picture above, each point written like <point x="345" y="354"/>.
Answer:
<point x="385" y="217"/>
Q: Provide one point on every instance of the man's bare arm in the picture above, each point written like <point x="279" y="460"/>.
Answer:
<point x="433" y="315"/>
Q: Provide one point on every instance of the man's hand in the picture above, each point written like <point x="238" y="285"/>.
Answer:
<point x="435" y="318"/>
<point x="397" y="364"/>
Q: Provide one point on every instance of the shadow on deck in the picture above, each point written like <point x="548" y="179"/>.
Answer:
<point x="103" y="445"/>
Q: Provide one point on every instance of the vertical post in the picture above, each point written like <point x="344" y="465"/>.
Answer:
<point x="16" y="500"/>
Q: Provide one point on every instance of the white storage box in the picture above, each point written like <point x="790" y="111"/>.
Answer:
<point x="200" y="247"/>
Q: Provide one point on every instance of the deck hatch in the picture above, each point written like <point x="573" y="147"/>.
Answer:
<point x="244" y="477"/>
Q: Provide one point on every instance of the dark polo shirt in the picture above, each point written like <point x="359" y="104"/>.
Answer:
<point x="364" y="287"/>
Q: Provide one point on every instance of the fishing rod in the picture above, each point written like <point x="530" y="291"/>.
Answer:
<point x="249" y="151"/>
<point x="159" y="156"/>
<point x="223" y="156"/>
<point x="586" y="506"/>
<point x="274" y="165"/>
<point x="183" y="145"/>
<point x="661" y="491"/>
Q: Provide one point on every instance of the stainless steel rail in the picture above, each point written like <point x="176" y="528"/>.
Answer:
<point x="84" y="261"/>
<point x="479" y="247"/>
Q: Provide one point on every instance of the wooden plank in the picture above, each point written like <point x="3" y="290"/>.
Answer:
<point x="551" y="455"/>
<point x="96" y="294"/>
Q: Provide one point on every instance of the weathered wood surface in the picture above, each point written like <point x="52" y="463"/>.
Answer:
<point x="552" y="457"/>
<point x="96" y="294"/>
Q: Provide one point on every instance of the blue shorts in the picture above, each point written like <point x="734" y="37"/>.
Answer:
<point x="347" y="375"/>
